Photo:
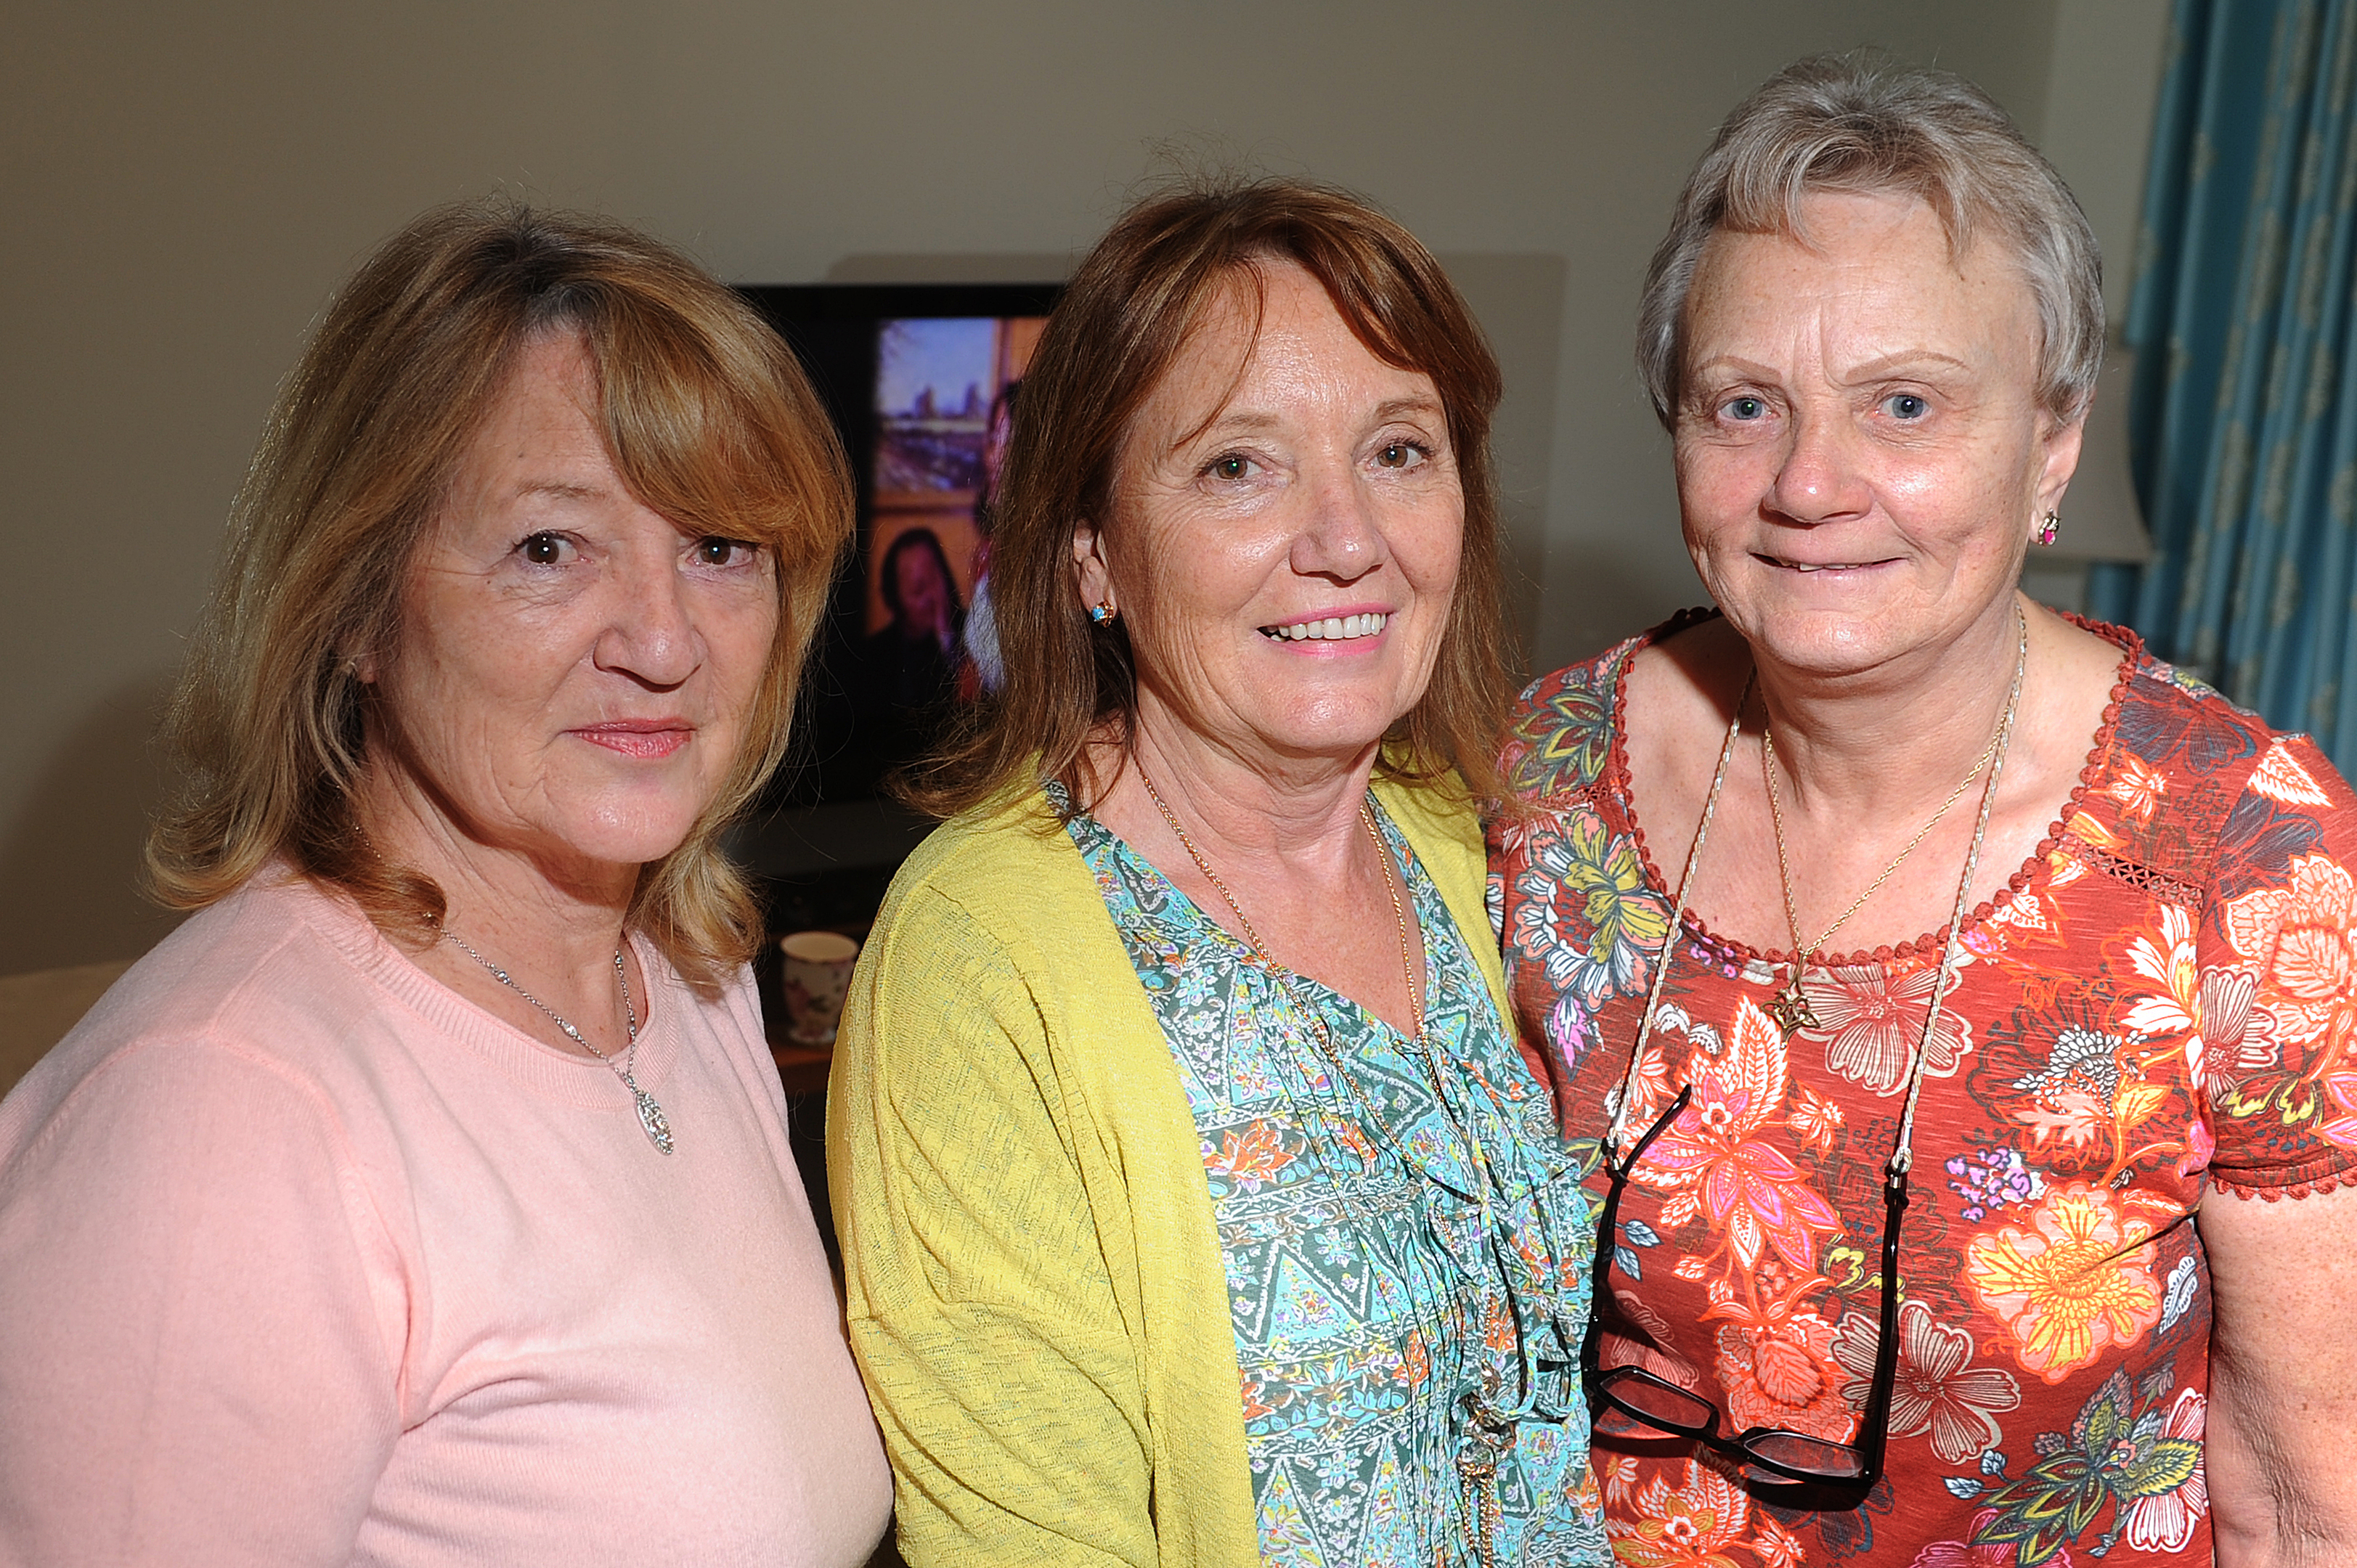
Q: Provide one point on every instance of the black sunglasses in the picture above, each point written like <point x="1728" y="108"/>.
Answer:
<point x="1852" y="1466"/>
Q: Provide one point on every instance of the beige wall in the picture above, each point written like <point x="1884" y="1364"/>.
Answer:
<point x="183" y="187"/>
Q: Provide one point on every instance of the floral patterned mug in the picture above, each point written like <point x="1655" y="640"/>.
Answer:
<point x="818" y="975"/>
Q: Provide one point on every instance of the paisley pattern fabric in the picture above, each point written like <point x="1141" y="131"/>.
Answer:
<point x="2164" y="994"/>
<point x="1372" y="1285"/>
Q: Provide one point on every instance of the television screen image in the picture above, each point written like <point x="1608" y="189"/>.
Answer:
<point x="921" y="381"/>
<point x="945" y="391"/>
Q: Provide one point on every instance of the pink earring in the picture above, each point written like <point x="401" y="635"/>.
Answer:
<point x="2050" y="528"/>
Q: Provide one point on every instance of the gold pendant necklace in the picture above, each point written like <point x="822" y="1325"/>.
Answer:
<point x="1620" y="1105"/>
<point x="1491" y="1432"/>
<point x="1260" y="949"/>
<point x="1790" y="1007"/>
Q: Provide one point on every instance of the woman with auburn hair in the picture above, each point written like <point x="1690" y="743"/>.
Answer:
<point x="1197" y="1205"/>
<point x="1953" y="1003"/>
<point x="425" y="1199"/>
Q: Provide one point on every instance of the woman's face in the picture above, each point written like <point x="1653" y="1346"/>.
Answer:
<point x="574" y="672"/>
<point x="1286" y="531"/>
<point x="1861" y="456"/>
<point x="924" y="597"/>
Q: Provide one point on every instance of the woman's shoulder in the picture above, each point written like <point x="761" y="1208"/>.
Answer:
<point x="1439" y="816"/>
<point x="279" y="945"/>
<point x="2178" y="737"/>
<point x="1000" y="870"/>
<point x="2168" y="714"/>
<point x="283" y="980"/>
<point x="1011" y="835"/>
<point x="251" y="1000"/>
<point x="1559" y="737"/>
<point x="2187" y="782"/>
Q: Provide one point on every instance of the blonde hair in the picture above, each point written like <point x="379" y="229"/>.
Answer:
<point x="1128" y="314"/>
<point x="708" y="420"/>
<point x="1862" y="123"/>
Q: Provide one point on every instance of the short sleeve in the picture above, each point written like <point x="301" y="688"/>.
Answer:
<point x="2276" y="1000"/>
<point x="193" y="1365"/>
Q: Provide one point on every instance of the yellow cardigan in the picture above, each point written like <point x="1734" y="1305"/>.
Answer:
<point x="1037" y="1295"/>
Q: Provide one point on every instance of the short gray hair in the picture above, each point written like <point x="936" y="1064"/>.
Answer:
<point x="1861" y="122"/>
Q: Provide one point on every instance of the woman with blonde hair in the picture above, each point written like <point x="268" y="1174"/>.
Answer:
<point x="425" y="1199"/>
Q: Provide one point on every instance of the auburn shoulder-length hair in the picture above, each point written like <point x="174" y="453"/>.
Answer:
<point x="708" y="420"/>
<point x="1129" y="312"/>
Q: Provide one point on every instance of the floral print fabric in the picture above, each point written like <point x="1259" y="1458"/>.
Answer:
<point x="1369" y="1294"/>
<point x="2166" y="993"/>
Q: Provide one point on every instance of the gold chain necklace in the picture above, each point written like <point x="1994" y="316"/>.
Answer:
<point x="1419" y="1051"/>
<point x="1622" y="1102"/>
<point x="1790" y="1008"/>
<point x="1491" y="1430"/>
<point x="1260" y="948"/>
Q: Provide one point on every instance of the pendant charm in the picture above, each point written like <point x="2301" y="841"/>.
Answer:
<point x="1790" y="1008"/>
<point x="650" y="1117"/>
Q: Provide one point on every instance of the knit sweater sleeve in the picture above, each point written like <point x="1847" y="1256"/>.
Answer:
<point x="192" y="1332"/>
<point x="981" y="1303"/>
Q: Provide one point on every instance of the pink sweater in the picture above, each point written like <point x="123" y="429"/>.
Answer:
<point x="306" y="1260"/>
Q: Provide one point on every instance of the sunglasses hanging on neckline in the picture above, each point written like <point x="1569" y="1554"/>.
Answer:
<point x="1783" y="1455"/>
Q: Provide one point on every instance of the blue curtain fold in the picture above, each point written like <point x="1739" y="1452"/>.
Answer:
<point x="2243" y="422"/>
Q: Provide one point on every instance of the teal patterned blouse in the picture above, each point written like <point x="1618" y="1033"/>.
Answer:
<point x="1408" y="1246"/>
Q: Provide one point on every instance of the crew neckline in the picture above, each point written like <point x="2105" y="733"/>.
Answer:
<point x="578" y="1081"/>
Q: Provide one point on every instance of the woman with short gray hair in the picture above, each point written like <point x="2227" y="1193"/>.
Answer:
<point x="1926" y="967"/>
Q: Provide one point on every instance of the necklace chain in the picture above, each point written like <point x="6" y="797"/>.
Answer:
<point x="1251" y="937"/>
<point x="1770" y="764"/>
<point x="1624" y="1099"/>
<point x="1791" y="1007"/>
<point x="1491" y="1428"/>
<point x="651" y="1114"/>
<point x="1417" y="1049"/>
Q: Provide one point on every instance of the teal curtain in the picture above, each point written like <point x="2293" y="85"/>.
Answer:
<point x="2242" y="424"/>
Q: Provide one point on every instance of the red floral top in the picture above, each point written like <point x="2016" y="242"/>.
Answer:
<point x="2166" y="993"/>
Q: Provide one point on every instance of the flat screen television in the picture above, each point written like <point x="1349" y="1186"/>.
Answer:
<point x="919" y="378"/>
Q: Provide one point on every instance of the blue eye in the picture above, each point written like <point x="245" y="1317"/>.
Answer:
<point x="1906" y="405"/>
<point x="1746" y="408"/>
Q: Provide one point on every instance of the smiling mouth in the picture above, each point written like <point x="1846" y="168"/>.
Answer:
<point x="1333" y="628"/>
<point x="638" y="739"/>
<point x="1819" y="566"/>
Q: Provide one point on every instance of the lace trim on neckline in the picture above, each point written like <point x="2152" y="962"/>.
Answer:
<point x="1617" y="777"/>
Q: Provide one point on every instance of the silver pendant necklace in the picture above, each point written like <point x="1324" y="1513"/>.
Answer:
<point x="651" y="1114"/>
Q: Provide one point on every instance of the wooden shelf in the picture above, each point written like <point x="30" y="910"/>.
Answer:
<point x="803" y="1069"/>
